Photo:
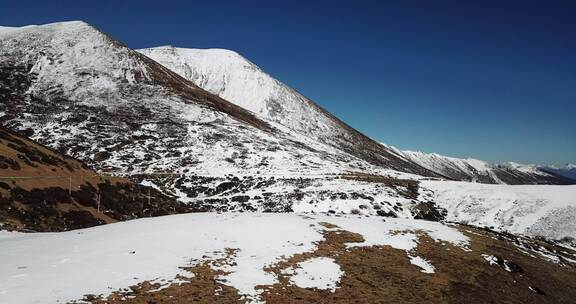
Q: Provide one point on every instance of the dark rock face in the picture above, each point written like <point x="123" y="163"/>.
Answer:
<point x="428" y="211"/>
<point x="77" y="219"/>
<point x="386" y="213"/>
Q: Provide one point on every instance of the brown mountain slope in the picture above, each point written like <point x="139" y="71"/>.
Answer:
<point x="42" y="190"/>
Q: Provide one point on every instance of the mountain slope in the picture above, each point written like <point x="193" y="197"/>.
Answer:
<point x="42" y="190"/>
<point x="76" y="90"/>
<point x="234" y="78"/>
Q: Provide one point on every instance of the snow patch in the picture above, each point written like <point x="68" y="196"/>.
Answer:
<point x="423" y="264"/>
<point x="492" y="260"/>
<point x="321" y="273"/>
<point x="535" y="210"/>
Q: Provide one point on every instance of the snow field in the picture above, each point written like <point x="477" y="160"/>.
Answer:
<point x="535" y="210"/>
<point x="60" y="267"/>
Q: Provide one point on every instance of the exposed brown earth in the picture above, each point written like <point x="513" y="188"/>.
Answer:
<point x="382" y="274"/>
<point x="22" y="157"/>
<point x="517" y="278"/>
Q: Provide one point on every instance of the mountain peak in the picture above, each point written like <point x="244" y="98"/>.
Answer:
<point x="68" y="25"/>
<point x="222" y="58"/>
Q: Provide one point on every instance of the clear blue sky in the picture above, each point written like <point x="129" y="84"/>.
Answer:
<point x="494" y="80"/>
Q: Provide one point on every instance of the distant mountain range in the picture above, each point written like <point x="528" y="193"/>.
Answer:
<point x="474" y="170"/>
<point x="568" y="171"/>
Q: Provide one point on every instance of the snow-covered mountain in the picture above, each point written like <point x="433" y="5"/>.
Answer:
<point x="75" y="89"/>
<point x="91" y="97"/>
<point x="568" y="171"/>
<point x="474" y="170"/>
<point x="234" y="78"/>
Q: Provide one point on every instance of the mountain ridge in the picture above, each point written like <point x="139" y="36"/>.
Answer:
<point x="568" y="170"/>
<point x="475" y="170"/>
<point x="274" y="101"/>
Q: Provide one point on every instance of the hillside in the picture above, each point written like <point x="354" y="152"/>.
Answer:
<point x="214" y="258"/>
<point x="232" y="77"/>
<point x="42" y="190"/>
<point x="544" y="211"/>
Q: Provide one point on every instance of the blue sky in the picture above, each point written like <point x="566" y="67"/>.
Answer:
<point x="494" y="80"/>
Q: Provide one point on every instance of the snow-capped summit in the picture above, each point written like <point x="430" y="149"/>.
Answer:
<point x="78" y="62"/>
<point x="75" y="89"/>
<point x="72" y="57"/>
<point x="234" y="78"/>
